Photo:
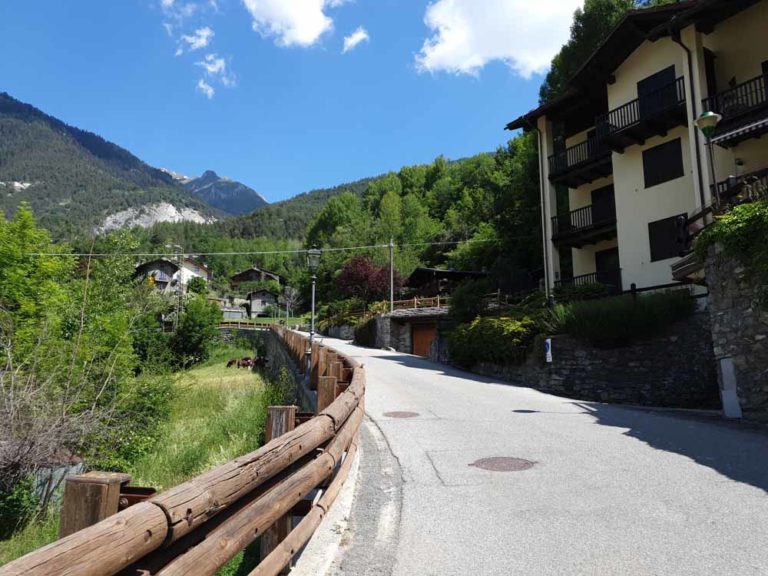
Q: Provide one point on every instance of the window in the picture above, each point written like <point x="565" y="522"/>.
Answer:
<point x="664" y="238"/>
<point x="663" y="163"/>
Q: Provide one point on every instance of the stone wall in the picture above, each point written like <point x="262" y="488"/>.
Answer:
<point x="739" y="319"/>
<point x="674" y="370"/>
<point x="344" y="332"/>
<point x="279" y="358"/>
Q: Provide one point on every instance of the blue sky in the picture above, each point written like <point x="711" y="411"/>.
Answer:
<point x="263" y="91"/>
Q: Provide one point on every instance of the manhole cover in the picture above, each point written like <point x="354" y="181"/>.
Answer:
<point x="401" y="414"/>
<point x="503" y="464"/>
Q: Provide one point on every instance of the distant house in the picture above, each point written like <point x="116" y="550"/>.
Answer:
<point x="191" y="268"/>
<point x="259" y="300"/>
<point x="167" y="274"/>
<point x="255" y="274"/>
<point x="434" y="281"/>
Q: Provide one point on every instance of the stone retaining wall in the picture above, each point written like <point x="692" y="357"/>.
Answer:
<point x="675" y="370"/>
<point x="739" y="316"/>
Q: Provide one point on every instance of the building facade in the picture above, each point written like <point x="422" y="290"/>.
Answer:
<point x="624" y="168"/>
<point x="168" y="275"/>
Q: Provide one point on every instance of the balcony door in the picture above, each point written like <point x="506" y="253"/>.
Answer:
<point x="657" y="92"/>
<point x="603" y="205"/>
<point x="607" y="268"/>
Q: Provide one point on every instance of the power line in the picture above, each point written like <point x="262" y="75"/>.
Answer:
<point x="260" y="252"/>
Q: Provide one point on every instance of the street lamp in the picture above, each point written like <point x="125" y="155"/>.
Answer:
<point x="707" y="123"/>
<point x="313" y="263"/>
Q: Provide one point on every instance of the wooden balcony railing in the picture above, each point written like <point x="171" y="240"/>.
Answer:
<point x="609" y="278"/>
<point x="582" y="220"/>
<point x="577" y="155"/>
<point x="641" y="111"/>
<point x="742" y="99"/>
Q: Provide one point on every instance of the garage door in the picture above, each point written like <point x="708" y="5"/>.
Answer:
<point x="423" y="336"/>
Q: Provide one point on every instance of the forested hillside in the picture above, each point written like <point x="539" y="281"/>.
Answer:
<point x="72" y="178"/>
<point x="428" y="210"/>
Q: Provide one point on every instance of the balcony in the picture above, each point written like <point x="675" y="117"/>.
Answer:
<point x="609" y="278"/>
<point x="744" y="109"/>
<point x="587" y="225"/>
<point x="742" y="189"/>
<point x="581" y="164"/>
<point x="650" y="115"/>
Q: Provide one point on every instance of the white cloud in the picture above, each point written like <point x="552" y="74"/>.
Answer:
<point x="217" y="68"/>
<point x="292" y="22"/>
<point x="200" y="39"/>
<point x="351" y="41"/>
<point x="205" y="88"/>
<point x="468" y="34"/>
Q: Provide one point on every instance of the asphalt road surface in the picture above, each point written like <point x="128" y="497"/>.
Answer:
<point x="611" y="491"/>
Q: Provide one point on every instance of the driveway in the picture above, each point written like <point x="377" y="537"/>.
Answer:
<point x="580" y="487"/>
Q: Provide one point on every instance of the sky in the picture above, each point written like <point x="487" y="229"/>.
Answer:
<point x="284" y="95"/>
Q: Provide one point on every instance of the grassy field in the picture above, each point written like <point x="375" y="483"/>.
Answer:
<point x="218" y="413"/>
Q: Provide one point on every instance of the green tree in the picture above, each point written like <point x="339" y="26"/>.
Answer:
<point x="196" y="331"/>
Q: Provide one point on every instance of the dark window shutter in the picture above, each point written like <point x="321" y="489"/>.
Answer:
<point x="663" y="163"/>
<point x="664" y="239"/>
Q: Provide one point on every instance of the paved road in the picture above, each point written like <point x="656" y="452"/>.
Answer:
<point x="613" y="491"/>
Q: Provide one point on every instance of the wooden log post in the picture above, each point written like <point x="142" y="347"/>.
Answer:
<point x="326" y="392"/>
<point x="280" y="420"/>
<point x="89" y="499"/>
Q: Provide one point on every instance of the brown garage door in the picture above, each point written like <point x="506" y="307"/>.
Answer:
<point x="423" y="336"/>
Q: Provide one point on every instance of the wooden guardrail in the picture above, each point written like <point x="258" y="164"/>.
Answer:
<point x="198" y="526"/>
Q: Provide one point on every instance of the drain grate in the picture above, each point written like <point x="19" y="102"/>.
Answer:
<point x="503" y="464"/>
<point x="401" y="414"/>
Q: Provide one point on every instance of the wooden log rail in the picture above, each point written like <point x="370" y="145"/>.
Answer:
<point x="198" y="526"/>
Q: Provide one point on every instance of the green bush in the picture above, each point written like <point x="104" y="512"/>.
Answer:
<point x="743" y="233"/>
<point x="618" y="321"/>
<point x="17" y="507"/>
<point x="570" y="293"/>
<point x="196" y="332"/>
<point x="498" y="340"/>
<point x="468" y="299"/>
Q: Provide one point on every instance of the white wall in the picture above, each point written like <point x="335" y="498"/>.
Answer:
<point x="584" y="258"/>
<point x="636" y="206"/>
<point x="646" y="60"/>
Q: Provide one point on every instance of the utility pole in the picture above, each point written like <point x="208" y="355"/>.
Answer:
<point x="180" y="288"/>
<point x="391" y="275"/>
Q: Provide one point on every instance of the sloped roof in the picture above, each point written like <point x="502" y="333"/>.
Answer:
<point x="589" y="81"/>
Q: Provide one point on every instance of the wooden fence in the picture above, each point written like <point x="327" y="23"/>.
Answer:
<point x="200" y="525"/>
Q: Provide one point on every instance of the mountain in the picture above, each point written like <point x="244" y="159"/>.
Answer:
<point x="227" y="195"/>
<point x="288" y="219"/>
<point x="73" y="179"/>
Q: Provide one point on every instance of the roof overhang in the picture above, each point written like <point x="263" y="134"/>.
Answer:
<point x="586" y="88"/>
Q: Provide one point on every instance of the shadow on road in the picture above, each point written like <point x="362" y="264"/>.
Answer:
<point x="736" y="450"/>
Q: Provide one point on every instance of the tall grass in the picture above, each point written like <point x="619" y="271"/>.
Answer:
<point x="217" y="414"/>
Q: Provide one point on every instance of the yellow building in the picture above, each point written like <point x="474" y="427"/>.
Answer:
<point x="621" y="151"/>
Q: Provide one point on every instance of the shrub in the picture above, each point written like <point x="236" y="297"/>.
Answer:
<point x="468" y="300"/>
<point x="618" y="321"/>
<point x="498" y="340"/>
<point x="743" y="233"/>
<point x="196" y="332"/>
<point x="18" y="505"/>
<point x="570" y="293"/>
